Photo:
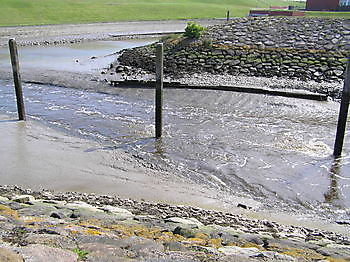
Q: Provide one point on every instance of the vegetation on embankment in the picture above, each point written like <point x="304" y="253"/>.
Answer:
<point x="36" y="12"/>
<point x="328" y="14"/>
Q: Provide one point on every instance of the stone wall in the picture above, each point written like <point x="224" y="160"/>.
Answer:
<point x="268" y="62"/>
<point x="259" y="53"/>
<point x="285" y="32"/>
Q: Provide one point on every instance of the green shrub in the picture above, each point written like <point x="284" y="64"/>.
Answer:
<point x="81" y="253"/>
<point x="193" y="30"/>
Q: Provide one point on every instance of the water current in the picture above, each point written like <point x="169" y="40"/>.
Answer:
<point x="273" y="149"/>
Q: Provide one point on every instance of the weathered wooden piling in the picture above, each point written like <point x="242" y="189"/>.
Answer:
<point x="343" y="114"/>
<point x="17" y="79"/>
<point x="159" y="89"/>
<point x="228" y="15"/>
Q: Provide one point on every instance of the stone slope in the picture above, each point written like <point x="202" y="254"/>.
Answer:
<point x="284" y="32"/>
<point x="293" y="48"/>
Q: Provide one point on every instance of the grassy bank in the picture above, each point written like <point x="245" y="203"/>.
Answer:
<point x="328" y="14"/>
<point x="34" y="12"/>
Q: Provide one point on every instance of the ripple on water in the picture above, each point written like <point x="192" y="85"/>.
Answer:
<point x="264" y="147"/>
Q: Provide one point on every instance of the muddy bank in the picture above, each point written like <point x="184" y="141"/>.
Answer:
<point x="89" y="227"/>
<point x="38" y="157"/>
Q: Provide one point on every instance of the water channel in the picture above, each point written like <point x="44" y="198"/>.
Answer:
<point x="273" y="149"/>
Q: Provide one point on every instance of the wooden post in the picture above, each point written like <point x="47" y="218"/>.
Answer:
<point x="159" y="89"/>
<point x="228" y="15"/>
<point x="17" y="79"/>
<point x="343" y="114"/>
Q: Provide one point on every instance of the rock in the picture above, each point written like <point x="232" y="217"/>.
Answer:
<point x="82" y="205"/>
<point x="141" y="246"/>
<point x="3" y="199"/>
<point x="339" y="73"/>
<point x="207" y="250"/>
<point x="122" y="213"/>
<point x="23" y="199"/>
<point x="269" y="43"/>
<point x="292" y="243"/>
<point x="252" y="238"/>
<point x="186" y="231"/>
<point x="7" y="255"/>
<point x="38" y="209"/>
<point x="96" y="239"/>
<point x="244" y="252"/>
<point x="60" y="215"/>
<point x="226" y="238"/>
<point x="335" y="252"/>
<point x="51" y="240"/>
<point x="102" y="252"/>
<point x="185" y="221"/>
<point x="276" y="256"/>
<point x="283" y="257"/>
<point x="41" y="253"/>
<point x="235" y="258"/>
<point x="321" y="242"/>
<point x="174" y="246"/>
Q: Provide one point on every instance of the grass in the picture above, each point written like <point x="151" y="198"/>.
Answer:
<point x="328" y="14"/>
<point x="81" y="253"/>
<point x="36" y="12"/>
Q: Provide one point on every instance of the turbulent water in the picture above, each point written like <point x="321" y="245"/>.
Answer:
<point x="273" y="149"/>
<point x="270" y="148"/>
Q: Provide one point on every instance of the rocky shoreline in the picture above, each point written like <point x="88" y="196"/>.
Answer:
<point x="280" y="53"/>
<point x="121" y="75"/>
<point x="47" y="226"/>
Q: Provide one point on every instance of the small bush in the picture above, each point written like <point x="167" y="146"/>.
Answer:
<point x="193" y="30"/>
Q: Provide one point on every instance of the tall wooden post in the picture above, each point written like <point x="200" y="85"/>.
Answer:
<point x="159" y="89"/>
<point x="343" y="114"/>
<point x="17" y="79"/>
<point x="228" y="15"/>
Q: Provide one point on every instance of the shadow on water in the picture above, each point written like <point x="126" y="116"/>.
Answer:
<point x="9" y="121"/>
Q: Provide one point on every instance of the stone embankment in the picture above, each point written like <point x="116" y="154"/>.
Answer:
<point x="294" y="48"/>
<point x="43" y="226"/>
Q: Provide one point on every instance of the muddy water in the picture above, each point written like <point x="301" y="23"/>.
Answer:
<point x="272" y="149"/>
<point x="81" y="57"/>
